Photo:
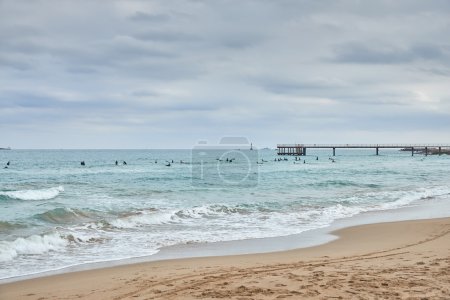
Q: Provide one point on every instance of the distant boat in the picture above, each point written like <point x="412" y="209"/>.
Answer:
<point x="8" y="148"/>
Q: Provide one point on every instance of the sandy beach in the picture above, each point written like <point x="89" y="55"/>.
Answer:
<point x="399" y="260"/>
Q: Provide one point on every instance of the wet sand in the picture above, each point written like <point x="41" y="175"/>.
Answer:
<point x="398" y="260"/>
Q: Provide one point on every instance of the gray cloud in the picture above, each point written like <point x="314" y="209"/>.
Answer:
<point x="379" y="54"/>
<point x="305" y="86"/>
<point x="439" y="70"/>
<point x="166" y="36"/>
<point x="148" y="17"/>
<point x="15" y="63"/>
<point x="272" y="70"/>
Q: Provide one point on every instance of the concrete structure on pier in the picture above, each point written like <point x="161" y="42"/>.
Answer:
<point x="300" y="149"/>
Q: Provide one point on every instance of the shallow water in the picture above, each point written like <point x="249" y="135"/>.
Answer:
<point x="55" y="212"/>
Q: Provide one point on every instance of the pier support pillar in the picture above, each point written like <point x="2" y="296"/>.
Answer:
<point x="377" y="150"/>
<point x="426" y="151"/>
<point x="439" y="151"/>
<point x="412" y="151"/>
<point x="334" y="151"/>
<point x="304" y="151"/>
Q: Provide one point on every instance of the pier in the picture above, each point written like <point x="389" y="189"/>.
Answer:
<point x="301" y="149"/>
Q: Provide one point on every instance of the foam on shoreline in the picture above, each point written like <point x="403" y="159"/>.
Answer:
<point x="438" y="208"/>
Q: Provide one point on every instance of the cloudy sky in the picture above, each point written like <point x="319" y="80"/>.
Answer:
<point x="165" y="74"/>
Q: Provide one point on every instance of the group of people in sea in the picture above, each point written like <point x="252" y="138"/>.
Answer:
<point x="296" y="161"/>
<point x="169" y="163"/>
<point x="227" y="159"/>
<point x="83" y="163"/>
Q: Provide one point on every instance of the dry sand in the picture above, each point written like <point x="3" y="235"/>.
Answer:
<point x="400" y="260"/>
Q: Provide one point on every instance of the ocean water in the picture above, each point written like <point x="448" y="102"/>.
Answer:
<point x="56" y="213"/>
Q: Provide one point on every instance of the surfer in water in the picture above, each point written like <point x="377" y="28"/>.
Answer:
<point x="83" y="163"/>
<point x="124" y="163"/>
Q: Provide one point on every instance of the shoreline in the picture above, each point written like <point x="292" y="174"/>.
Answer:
<point x="310" y="238"/>
<point x="401" y="247"/>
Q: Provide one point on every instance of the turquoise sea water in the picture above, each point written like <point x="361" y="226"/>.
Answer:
<point x="56" y="213"/>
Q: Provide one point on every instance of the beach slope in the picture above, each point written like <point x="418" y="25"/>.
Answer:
<point x="401" y="260"/>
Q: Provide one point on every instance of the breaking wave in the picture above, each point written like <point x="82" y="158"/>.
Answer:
<point x="41" y="244"/>
<point x="65" y="215"/>
<point x="269" y="215"/>
<point x="35" y="244"/>
<point x="34" y="195"/>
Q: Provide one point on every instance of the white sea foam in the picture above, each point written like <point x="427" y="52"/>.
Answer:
<point x="30" y="195"/>
<point x="407" y="197"/>
<point x="142" y="219"/>
<point x="35" y="244"/>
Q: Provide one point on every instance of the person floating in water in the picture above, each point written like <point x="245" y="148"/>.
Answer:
<point x="124" y="163"/>
<point x="317" y="158"/>
<point x="117" y="162"/>
<point x="156" y="161"/>
<point x="8" y="163"/>
<point x="83" y="163"/>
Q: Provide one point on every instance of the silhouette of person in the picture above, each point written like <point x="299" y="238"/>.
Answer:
<point x="117" y="162"/>
<point x="83" y="163"/>
<point x="124" y="162"/>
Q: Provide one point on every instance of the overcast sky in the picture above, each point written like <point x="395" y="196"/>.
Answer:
<point x="165" y="74"/>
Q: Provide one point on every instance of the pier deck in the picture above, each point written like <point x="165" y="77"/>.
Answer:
<point x="300" y="149"/>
